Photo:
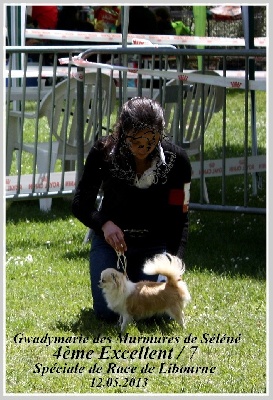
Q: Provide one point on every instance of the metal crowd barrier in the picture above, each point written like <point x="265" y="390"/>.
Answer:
<point x="34" y="72"/>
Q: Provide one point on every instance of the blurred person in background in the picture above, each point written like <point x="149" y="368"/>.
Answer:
<point x="71" y="18"/>
<point x="75" y="18"/>
<point x="43" y="17"/>
<point x="164" y="22"/>
<point x="142" y="20"/>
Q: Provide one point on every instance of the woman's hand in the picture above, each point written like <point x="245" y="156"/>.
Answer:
<point x="114" y="236"/>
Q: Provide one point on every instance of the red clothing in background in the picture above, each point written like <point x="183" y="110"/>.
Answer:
<point x="46" y="16"/>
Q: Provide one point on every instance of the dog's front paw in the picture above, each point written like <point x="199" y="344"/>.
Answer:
<point x="183" y="322"/>
<point x="123" y="327"/>
<point x="124" y="323"/>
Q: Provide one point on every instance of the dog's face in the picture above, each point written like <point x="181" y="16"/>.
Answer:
<point x="111" y="280"/>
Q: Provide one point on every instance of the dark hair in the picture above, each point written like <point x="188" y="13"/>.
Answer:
<point x="163" y="13"/>
<point x="139" y="113"/>
<point x="142" y="20"/>
<point x="136" y="114"/>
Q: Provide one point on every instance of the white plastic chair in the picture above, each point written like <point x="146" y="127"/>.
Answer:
<point x="189" y="102"/>
<point x="59" y="107"/>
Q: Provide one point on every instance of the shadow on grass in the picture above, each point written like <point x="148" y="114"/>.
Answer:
<point x="227" y="244"/>
<point x="234" y="191"/>
<point x="21" y="210"/>
<point x="87" y="324"/>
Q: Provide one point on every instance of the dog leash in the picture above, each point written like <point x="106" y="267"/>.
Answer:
<point x="122" y="262"/>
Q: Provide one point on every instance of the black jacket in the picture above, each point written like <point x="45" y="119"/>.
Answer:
<point x="160" y="209"/>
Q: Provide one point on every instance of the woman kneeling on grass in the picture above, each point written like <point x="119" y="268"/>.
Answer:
<point x="145" y="182"/>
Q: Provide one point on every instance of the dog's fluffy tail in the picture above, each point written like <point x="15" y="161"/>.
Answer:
<point x="165" y="264"/>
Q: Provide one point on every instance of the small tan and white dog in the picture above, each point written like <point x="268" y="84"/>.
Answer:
<point x="146" y="298"/>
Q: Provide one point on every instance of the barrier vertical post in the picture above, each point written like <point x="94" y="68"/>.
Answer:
<point x="248" y="25"/>
<point x="80" y="140"/>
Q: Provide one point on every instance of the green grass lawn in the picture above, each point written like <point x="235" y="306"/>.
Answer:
<point x="221" y="350"/>
<point x="48" y="292"/>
